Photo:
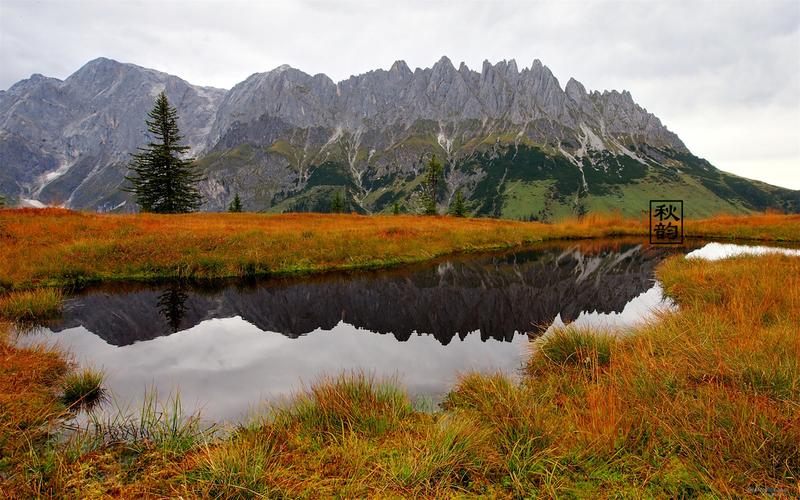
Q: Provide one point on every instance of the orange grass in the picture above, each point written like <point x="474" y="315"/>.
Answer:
<point x="29" y="382"/>
<point x="704" y="401"/>
<point x="770" y="226"/>
<point x="58" y="247"/>
<point x="61" y="248"/>
<point x="30" y="306"/>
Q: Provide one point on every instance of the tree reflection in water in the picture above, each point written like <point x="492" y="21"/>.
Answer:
<point x="172" y="305"/>
<point x="496" y="297"/>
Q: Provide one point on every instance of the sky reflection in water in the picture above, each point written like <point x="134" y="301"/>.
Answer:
<point x="229" y="347"/>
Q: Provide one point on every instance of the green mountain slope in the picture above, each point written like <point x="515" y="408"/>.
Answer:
<point x="498" y="178"/>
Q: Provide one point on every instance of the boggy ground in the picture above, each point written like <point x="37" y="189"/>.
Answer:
<point x="54" y="247"/>
<point x="703" y="401"/>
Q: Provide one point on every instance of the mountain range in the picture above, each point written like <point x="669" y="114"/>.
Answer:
<point x="513" y="142"/>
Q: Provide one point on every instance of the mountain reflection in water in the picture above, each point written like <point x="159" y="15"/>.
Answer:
<point x="496" y="296"/>
<point x="227" y="356"/>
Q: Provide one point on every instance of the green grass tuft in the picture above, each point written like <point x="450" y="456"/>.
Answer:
<point x="454" y="453"/>
<point x="242" y="467"/>
<point x="31" y="305"/>
<point x="350" y="403"/>
<point x="83" y="389"/>
<point x="573" y="346"/>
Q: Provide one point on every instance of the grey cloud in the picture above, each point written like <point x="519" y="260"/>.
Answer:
<point x="680" y="59"/>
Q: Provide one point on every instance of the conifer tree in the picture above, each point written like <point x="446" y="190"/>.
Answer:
<point x="581" y="196"/>
<point x="161" y="180"/>
<point x="396" y="208"/>
<point x="431" y="185"/>
<point x="2" y="201"/>
<point x="337" y="203"/>
<point x="457" y="207"/>
<point x="236" y="204"/>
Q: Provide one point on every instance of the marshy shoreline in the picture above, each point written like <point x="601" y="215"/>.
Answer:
<point x="702" y="401"/>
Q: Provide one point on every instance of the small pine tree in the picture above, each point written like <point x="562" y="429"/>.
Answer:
<point x="337" y="203"/>
<point x="396" y="208"/>
<point x="161" y="180"/>
<point x="457" y="207"/>
<point x="236" y="204"/>
<point x="580" y="207"/>
<point x="2" y="201"/>
<point x="431" y="184"/>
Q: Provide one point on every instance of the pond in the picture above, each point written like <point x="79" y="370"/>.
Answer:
<point x="227" y="347"/>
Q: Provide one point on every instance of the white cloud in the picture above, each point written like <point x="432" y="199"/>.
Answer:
<point x="724" y="75"/>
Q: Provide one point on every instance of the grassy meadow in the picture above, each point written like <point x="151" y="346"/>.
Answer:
<point x="704" y="401"/>
<point x="55" y="247"/>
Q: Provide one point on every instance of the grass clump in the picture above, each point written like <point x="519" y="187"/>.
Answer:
<point x="453" y="453"/>
<point x="243" y="466"/>
<point x="162" y="426"/>
<point x="349" y="403"/>
<point x="513" y="412"/>
<point x="572" y="346"/>
<point x="515" y="418"/>
<point x="27" y="306"/>
<point x="29" y="379"/>
<point x="82" y="389"/>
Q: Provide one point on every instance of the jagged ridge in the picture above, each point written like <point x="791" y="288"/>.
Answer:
<point x="514" y="142"/>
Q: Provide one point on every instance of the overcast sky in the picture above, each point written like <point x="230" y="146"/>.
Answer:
<point x="724" y="75"/>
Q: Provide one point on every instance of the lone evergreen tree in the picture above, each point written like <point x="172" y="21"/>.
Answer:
<point x="337" y="203"/>
<point x="431" y="185"/>
<point x="396" y="208"/>
<point x="162" y="181"/>
<point x="2" y="201"/>
<point x="458" y="208"/>
<point x="236" y="204"/>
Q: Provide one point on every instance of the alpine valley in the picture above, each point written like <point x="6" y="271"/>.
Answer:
<point x="513" y="142"/>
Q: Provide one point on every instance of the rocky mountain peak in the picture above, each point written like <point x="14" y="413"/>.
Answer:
<point x="36" y="78"/>
<point x="512" y="66"/>
<point x="34" y="81"/>
<point x="400" y="68"/>
<point x="58" y="134"/>
<point x="443" y="66"/>
<point x="444" y="61"/>
<point x="575" y="90"/>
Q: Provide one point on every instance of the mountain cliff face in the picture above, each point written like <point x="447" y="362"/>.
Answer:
<point x="68" y="142"/>
<point x="513" y="142"/>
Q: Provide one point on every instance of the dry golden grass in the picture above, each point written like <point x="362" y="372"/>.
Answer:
<point x="29" y="382"/>
<point x="30" y="306"/>
<point x="769" y="226"/>
<point x="705" y="401"/>
<point x="63" y="248"/>
<point x="700" y="402"/>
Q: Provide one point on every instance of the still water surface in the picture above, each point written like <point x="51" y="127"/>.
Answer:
<point x="229" y="346"/>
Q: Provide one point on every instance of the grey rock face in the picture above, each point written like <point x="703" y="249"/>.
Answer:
<point x="57" y="136"/>
<point x="383" y="99"/>
<point x="68" y="142"/>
